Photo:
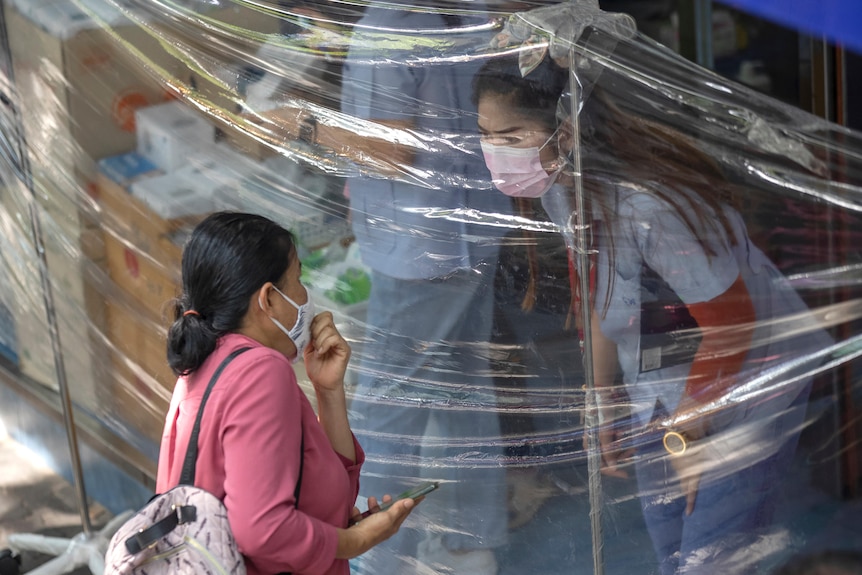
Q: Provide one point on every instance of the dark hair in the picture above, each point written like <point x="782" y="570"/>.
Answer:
<point x="536" y="94"/>
<point x="228" y="257"/>
<point x="835" y="562"/>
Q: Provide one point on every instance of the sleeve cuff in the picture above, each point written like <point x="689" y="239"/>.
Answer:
<point x="360" y="457"/>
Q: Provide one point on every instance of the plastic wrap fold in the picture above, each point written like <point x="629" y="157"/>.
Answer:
<point x="716" y="231"/>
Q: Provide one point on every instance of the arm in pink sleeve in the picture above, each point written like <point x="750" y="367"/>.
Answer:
<point x="261" y="443"/>
<point x="353" y="468"/>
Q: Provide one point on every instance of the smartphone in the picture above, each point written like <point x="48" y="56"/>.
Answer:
<point x="414" y="493"/>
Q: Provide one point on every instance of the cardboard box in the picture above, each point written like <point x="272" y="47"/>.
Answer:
<point x="151" y="278"/>
<point x="141" y="336"/>
<point x="144" y="267"/>
<point x="74" y="259"/>
<point x="122" y="216"/>
<point x="175" y="195"/>
<point x="141" y="257"/>
<point x="142" y="382"/>
<point x="80" y="86"/>
<point x="126" y="169"/>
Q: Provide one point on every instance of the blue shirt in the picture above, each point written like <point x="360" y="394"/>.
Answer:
<point x="649" y="231"/>
<point x="411" y="231"/>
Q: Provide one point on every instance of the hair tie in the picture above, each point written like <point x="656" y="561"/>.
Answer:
<point x="191" y="312"/>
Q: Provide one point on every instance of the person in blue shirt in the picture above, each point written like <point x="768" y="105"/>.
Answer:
<point x="424" y="405"/>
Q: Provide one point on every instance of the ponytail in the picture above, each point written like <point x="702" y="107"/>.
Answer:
<point x="190" y="340"/>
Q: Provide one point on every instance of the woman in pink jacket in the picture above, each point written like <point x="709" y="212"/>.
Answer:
<point x="288" y="476"/>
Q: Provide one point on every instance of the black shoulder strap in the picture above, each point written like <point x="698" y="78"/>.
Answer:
<point x="188" y="474"/>
<point x="301" y="464"/>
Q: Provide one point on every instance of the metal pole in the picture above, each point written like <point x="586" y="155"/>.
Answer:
<point x="26" y="175"/>
<point x="703" y="32"/>
<point x="68" y="418"/>
<point x="695" y="31"/>
<point x="590" y="421"/>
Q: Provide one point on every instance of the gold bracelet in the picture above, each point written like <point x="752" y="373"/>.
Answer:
<point x="675" y="443"/>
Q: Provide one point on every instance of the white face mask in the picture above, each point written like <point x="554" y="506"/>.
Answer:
<point x="518" y="172"/>
<point x="300" y="333"/>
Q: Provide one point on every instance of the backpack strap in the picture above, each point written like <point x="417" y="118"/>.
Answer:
<point x="187" y="477"/>
<point x="301" y="462"/>
<point x="142" y="539"/>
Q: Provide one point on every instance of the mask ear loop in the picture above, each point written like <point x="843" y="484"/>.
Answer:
<point x="561" y="160"/>
<point x="287" y="298"/>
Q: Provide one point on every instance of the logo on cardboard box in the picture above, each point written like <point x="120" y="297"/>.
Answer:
<point x="132" y="265"/>
<point x="125" y="104"/>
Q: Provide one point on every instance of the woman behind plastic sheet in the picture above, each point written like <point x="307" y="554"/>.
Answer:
<point x="241" y="289"/>
<point x="667" y="237"/>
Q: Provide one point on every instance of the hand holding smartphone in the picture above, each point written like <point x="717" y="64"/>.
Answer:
<point x="414" y="493"/>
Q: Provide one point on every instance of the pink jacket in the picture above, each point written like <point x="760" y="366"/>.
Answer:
<point x="249" y="458"/>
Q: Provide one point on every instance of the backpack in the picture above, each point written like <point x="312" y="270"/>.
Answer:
<point x="184" y="531"/>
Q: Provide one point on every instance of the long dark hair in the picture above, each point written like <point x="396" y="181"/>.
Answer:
<point x="618" y="147"/>
<point x="228" y="257"/>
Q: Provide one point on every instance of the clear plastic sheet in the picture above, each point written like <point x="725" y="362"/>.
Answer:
<point x="355" y="124"/>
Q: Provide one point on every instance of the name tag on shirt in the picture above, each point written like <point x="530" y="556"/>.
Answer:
<point x="669" y="334"/>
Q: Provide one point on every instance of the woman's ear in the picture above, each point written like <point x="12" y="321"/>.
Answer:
<point x="565" y="138"/>
<point x="263" y="297"/>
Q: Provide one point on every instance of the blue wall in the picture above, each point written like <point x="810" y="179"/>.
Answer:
<point x="838" y="20"/>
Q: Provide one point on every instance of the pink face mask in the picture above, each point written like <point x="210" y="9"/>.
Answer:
<point x="517" y="172"/>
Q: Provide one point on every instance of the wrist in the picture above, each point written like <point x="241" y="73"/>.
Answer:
<point x="330" y="394"/>
<point x="678" y="439"/>
<point x="350" y="543"/>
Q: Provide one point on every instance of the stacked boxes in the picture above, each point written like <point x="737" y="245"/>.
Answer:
<point x="80" y="87"/>
<point x="143" y="265"/>
<point x="77" y="89"/>
<point x="123" y="171"/>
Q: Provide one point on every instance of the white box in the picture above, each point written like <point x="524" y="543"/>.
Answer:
<point x="223" y="171"/>
<point x="174" y="195"/>
<point x="169" y="133"/>
<point x="64" y="19"/>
